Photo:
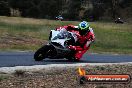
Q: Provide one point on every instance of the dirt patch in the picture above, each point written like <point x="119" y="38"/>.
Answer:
<point x="9" y="41"/>
<point x="21" y="41"/>
<point x="64" y="77"/>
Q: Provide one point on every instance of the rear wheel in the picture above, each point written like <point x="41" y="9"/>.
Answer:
<point x="41" y="53"/>
<point x="73" y="59"/>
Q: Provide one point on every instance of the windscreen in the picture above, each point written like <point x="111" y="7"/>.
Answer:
<point x="64" y="34"/>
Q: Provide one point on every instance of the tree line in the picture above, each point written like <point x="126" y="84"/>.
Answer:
<point x="69" y="9"/>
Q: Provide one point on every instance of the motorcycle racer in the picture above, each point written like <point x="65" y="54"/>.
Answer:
<point x="85" y="36"/>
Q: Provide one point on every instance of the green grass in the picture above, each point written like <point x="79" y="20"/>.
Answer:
<point x="3" y="77"/>
<point x="29" y="34"/>
<point x="112" y="37"/>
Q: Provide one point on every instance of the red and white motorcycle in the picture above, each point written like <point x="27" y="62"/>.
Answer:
<point x="57" y="48"/>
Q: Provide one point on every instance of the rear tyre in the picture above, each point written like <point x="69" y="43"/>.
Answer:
<point x="41" y="53"/>
<point x="73" y="59"/>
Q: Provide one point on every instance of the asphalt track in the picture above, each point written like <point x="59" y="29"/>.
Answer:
<point x="12" y="59"/>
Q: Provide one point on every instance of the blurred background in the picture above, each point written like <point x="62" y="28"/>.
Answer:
<point x="90" y="10"/>
<point x="26" y="24"/>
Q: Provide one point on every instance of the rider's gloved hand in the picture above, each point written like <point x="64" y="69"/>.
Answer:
<point x="72" y="47"/>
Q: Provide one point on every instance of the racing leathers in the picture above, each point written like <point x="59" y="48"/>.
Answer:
<point x="83" y="41"/>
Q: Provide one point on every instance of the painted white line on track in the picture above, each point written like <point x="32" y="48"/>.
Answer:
<point x="50" y="66"/>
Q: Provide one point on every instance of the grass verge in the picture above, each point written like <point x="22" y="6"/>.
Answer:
<point x="30" y="34"/>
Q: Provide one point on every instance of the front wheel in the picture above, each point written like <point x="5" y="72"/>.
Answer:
<point x="41" y="53"/>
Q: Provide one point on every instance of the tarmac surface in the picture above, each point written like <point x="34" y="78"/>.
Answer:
<point x="12" y="59"/>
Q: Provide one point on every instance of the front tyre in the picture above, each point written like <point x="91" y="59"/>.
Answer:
<point x="41" y="53"/>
